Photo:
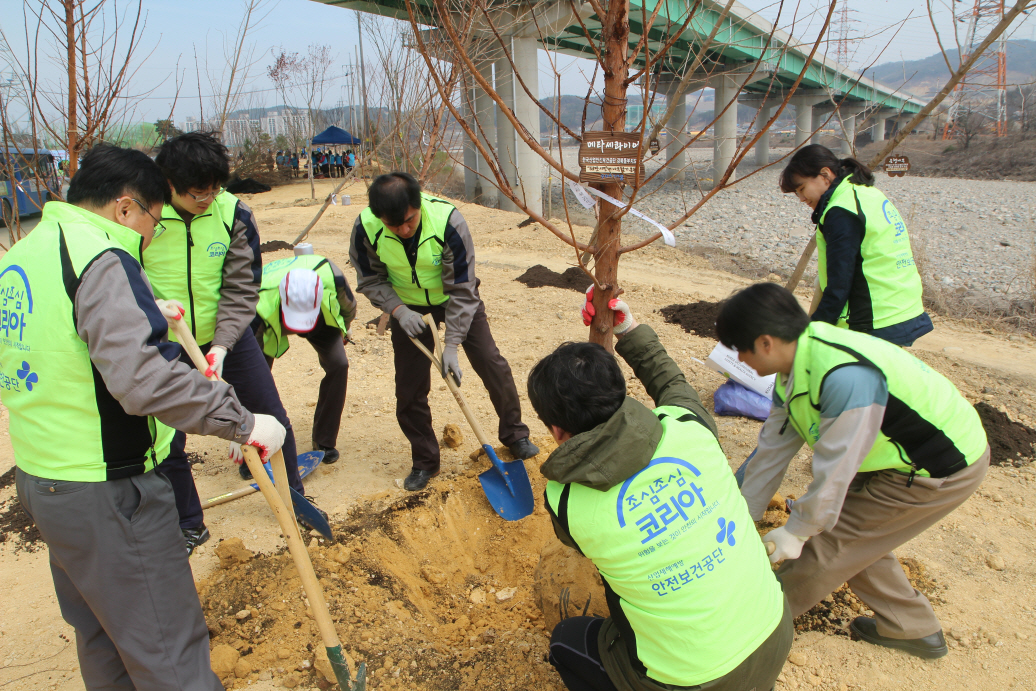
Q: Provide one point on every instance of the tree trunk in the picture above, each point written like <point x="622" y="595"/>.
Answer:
<point x="616" y="31"/>
<point x="73" y="92"/>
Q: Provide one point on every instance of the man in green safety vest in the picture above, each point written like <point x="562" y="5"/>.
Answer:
<point x="648" y="496"/>
<point x="208" y="261"/>
<point x="308" y="296"/>
<point x="86" y="371"/>
<point x="895" y="449"/>
<point x="414" y="255"/>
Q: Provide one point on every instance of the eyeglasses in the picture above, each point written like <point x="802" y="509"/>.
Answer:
<point x="206" y="197"/>
<point x="159" y="228"/>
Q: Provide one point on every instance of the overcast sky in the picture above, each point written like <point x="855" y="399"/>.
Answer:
<point x="174" y="29"/>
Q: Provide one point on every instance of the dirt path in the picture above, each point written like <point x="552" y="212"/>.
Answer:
<point x="416" y="579"/>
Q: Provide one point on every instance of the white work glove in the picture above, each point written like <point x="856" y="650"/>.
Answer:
<point x="623" y="320"/>
<point x="171" y="309"/>
<point x="267" y="437"/>
<point x="410" y="320"/>
<point x="787" y="545"/>
<point x="450" y="363"/>
<point x="216" y="356"/>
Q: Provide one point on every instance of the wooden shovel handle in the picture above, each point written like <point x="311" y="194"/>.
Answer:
<point x="771" y="547"/>
<point x="187" y="342"/>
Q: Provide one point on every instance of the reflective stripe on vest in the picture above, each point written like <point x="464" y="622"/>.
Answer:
<point x="890" y="290"/>
<point x="929" y="428"/>
<point x="185" y="263"/>
<point x="64" y="423"/>
<point x="676" y="545"/>
<point x="420" y="284"/>
<point x="275" y="340"/>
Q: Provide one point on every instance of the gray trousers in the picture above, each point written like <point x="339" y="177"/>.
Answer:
<point x="123" y="581"/>
<point x="880" y="513"/>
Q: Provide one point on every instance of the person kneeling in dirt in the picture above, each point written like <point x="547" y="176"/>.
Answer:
<point x="895" y="449"/>
<point x="308" y="296"/>
<point x="414" y="255"/>
<point x="94" y="366"/>
<point x="649" y="497"/>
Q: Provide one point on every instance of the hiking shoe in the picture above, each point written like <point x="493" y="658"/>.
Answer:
<point x="929" y="647"/>
<point x="418" y="479"/>
<point x="330" y="454"/>
<point x="522" y="449"/>
<point x="245" y="473"/>
<point x="194" y="537"/>
<point x="302" y="520"/>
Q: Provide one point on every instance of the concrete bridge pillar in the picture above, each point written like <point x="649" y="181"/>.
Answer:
<point x="525" y="52"/>
<point x="505" y="134"/>
<point x="725" y="129"/>
<point x="762" y="147"/>
<point x="676" y="131"/>
<point x="849" y="134"/>
<point x="804" y="117"/>
<point x="485" y="113"/>
<point x="878" y="133"/>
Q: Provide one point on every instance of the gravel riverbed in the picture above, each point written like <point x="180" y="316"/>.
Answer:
<point x="976" y="238"/>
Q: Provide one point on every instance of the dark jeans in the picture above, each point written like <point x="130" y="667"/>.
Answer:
<point x="246" y="370"/>
<point x="327" y="420"/>
<point x="413" y="381"/>
<point x="574" y="654"/>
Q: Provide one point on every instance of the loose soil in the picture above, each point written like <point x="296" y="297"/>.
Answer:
<point x="1010" y="442"/>
<point x="540" y="276"/>
<point x="17" y="529"/>
<point x="433" y="556"/>
<point x="698" y="318"/>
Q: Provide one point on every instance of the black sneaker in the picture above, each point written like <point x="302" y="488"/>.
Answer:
<point x="194" y="537"/>
<point x="245" y="473"/>
<point x="929" y="647"/>
<point x="303" y="522"/>
<point x="418" y="479"/>
<point x="522" y="449"/>
<point x="330" y="454"/>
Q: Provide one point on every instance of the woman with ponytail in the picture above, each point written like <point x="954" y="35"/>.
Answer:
<point x="865" y="266"/>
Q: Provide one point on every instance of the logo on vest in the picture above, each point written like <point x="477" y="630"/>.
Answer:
<point x="814" y="431"/>
<point x="893" y="218"/>
<point x="217" y="249"/>
<point x="437" y="259"/>
<point x="15" y="306"/>
<point x="277" y="265"/>
<point x="664" y="507"/>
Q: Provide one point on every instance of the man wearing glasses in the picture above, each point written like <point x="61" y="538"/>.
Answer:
<point x="208" y="261"/>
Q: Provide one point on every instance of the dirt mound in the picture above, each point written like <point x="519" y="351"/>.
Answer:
<point x="698" y="317"/>
<point x="432" y="590"/>
<point x="274" y="246"/>
<point x="1009" y="442"/>
<point x="17" y="527"/>
<point x="540" y="276"/>
<point x="567" y="585"/>
<point x="7" y="479"/>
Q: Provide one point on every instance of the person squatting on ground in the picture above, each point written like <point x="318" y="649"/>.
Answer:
<point x="89" y="346"/>
<point x="865" y="268"/>
<point x="648" y="496"/>
<point x="208" y="261"/>
<point x="309" y="296"/>
<point x="895" y="449"/>
<point x="414" y="255"/>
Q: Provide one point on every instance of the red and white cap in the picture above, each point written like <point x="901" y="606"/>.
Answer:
<point x="301" y="291"/>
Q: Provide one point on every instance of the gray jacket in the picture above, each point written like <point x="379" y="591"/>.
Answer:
<point x="242" y="276"/>
<point x="458" y="276"/>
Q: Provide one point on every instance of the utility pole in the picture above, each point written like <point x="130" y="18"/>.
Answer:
<point x="363" y="78"/>
<point x="986" y="81"/>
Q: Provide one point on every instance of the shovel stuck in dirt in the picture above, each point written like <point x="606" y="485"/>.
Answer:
<point x="506" y="485"/>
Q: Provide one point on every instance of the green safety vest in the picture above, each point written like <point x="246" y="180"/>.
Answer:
<point x="893" y="286"/>
<point x="275" y="340"/>
<point x="65" y="424"/>
<point x="929" y="428"/>
<point x="676" y="545"/>
<point x="420" y="284"/>
<point x="185" y="263"/>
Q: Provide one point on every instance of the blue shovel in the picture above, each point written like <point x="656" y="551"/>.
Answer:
<point x="506" y="485"/>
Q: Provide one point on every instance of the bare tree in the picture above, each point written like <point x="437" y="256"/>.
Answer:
<point x="238" y="64"/>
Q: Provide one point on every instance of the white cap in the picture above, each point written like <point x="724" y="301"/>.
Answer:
<point x="301" y="291"/>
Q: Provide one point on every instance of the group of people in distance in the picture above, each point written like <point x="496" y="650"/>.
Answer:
<point x="100" y="403"/>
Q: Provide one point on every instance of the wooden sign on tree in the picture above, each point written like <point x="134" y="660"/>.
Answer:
<point x="610" y="157"/>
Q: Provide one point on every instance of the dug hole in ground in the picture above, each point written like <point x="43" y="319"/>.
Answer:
<point x="433" y="591"/>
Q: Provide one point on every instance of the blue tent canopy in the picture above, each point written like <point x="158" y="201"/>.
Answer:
<point x="334" y="136"/>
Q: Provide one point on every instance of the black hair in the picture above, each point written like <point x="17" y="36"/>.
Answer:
<point x="763" y="309"/>
<point x="577" y="387"/>
<point x="108" y="172"/>
<point x="810" y="160"/>
<point x="195" y="159"/>
<point x="391" y="195"/>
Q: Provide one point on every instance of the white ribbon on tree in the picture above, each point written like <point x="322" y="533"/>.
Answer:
<point x="584" y="198"/>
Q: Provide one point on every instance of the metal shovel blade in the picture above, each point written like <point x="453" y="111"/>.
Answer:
<point x="305" y="511"/>
<point x="507" y="487"/>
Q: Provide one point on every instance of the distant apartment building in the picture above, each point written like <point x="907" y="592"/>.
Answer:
<point x="292" y="123"/>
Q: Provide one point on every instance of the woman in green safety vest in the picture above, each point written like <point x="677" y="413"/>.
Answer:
<point x="895" y="449"/>
<point x="865" y="267"/>
<point x="648" y="496"/>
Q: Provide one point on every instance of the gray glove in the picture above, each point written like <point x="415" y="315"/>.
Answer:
<point x="450" y="363"/>
<point x="410" y="320"/>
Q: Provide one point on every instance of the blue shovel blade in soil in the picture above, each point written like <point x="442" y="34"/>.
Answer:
<point x="507" y="487"/>
<point x="308" y="462"/>
<point x="305" y="512"/>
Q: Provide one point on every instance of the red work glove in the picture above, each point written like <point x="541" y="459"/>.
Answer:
<point x="622" y="318"/>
